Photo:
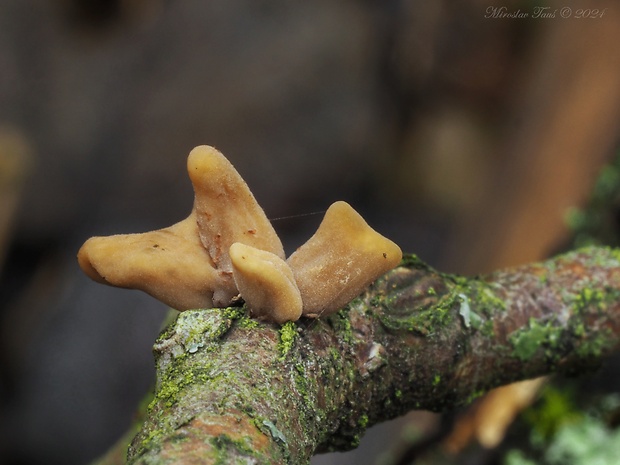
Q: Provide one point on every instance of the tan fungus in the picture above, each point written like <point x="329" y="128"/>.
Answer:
<point x="266" y="283"/>
<point x="169" y="264"/>
<point x="342" y="258"/>
<point x="227" y="246"/>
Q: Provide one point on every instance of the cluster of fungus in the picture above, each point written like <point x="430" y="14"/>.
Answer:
<point x="227" y="247"/>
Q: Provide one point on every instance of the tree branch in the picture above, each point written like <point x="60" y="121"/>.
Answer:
<point x="232" y="390"/>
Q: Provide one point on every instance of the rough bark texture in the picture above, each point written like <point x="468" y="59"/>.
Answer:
<point x="233" y="390"/>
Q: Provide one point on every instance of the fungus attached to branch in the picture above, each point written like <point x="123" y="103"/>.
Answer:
<point x="266" y="283"/>
<point x="343" y="257"/>
<point x="227" y="246"/>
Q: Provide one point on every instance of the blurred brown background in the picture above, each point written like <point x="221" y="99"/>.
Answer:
<point x="462" y="137"/>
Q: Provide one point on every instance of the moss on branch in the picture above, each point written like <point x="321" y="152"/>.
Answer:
<point x="231" y="390"/>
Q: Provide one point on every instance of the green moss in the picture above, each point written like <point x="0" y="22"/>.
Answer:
<point x="342" y="325"/>
<point x="425" y="321"/>
<point x="154" y="436"/>
<point x="517" y="457"/>
<point x="335" y="354"/>
<point x="615" y="254"/>
<point x="484" y="299"/>
<point x="363" y="421"/>
<point x="474" y="300"/>
<point x="488" y="328"/>
<point x="246" y="322"/>
<point x="174" y="381"/>
<point x="528" y="340"/>
<point x="594" y="347"/>
<point x="608" y="181"/>
<point x="595" y="256"/>
<point x="301" y="383"/>
<point x="234" y="313"/>
<point x="180" y="374"/>
<point x="223" y="444"/>
<point x="575" y="218"/>
<point x="185" y="375"/>
<point x="596" y="224"/>
<point x="590" y="298"/>
<point x="286" y="339"/>
<point x="579" y="330"/>
<point x="553" y="409"/>
<point x="168" y="328"/>
<point x="436" y="380"/>
<point x="591" y="344"/>
<point x="456" y="279"/>
<point x="475" y="395"/>
<point x="413" y="261"/>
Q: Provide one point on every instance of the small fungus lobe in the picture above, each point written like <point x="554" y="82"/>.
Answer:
<point x="266" y="283"/>
<point x="227" y="247"/>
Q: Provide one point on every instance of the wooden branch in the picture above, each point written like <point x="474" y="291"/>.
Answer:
<point x="233" y="390"/>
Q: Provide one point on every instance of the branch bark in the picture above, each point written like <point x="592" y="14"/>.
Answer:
<point x="233" y="390"/>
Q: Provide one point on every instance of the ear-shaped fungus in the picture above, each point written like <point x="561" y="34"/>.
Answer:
<point x="266" y="283"/>
<point x="228" y="246"/>
<point x="170" y="264"/>
<point x="187" y="265"/>
<point x="227" y="211"/>
<point x="343" y="257"/>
